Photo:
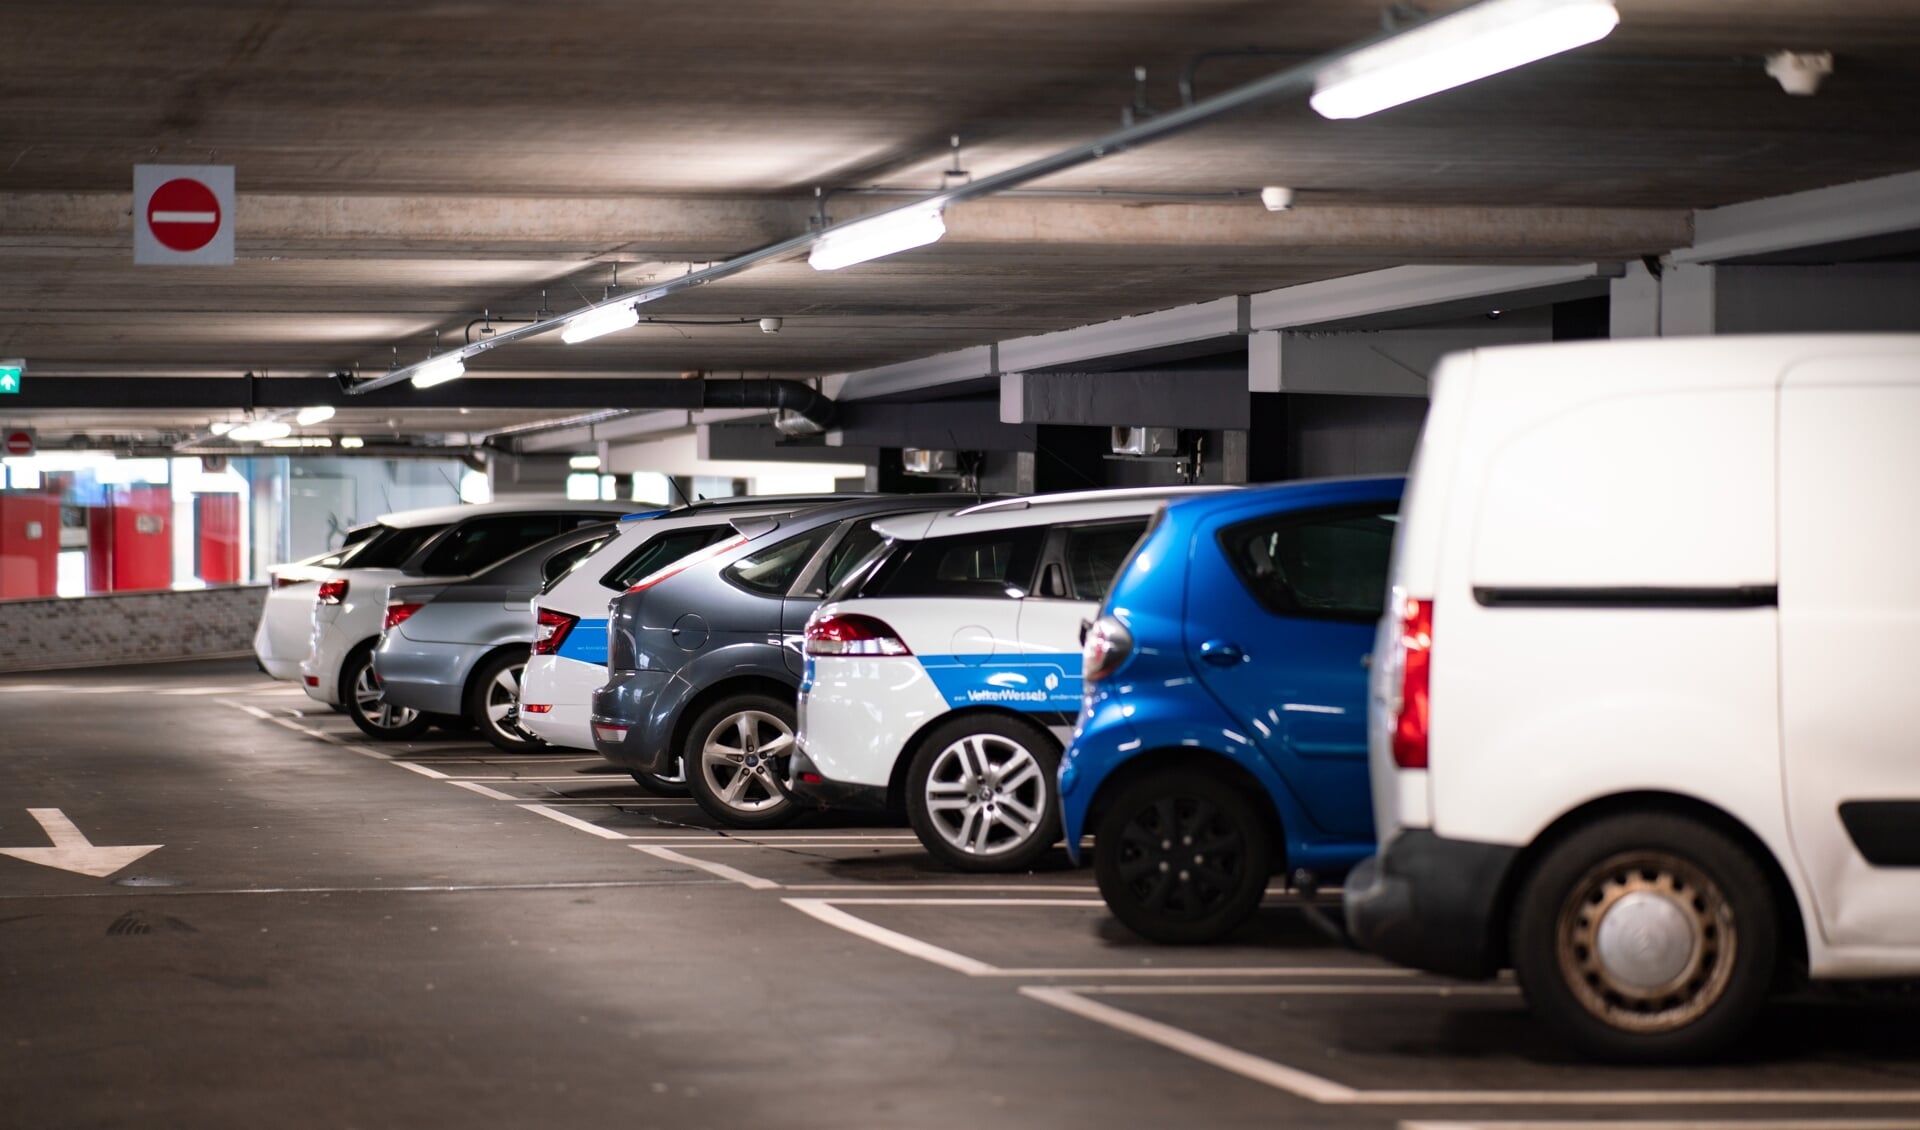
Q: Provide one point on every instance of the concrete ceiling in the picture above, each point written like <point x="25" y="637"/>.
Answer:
<point x="403" y="168"/>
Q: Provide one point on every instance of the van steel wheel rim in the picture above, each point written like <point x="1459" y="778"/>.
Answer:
<point x="1646" y="942"/>
<point x="373" y="705"/>
<point x="503" y="702"/>
<point x="740" y="760"/>
<point x="1180" y="856"/>
<point x="987" y="795"/>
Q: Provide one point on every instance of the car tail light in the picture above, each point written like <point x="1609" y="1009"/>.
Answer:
<point x="550" y="630"/>
<point x="609" y="734"/>
<point x="849" y="634"/>
<point x="1415" y="659"/>
<point x="536" y="708"/>
<point x="688" y="562"/>
<point x="313" y="680"/>
<point x="1108" y="646"/>
<point x="333" y="592"/>
<point x="398" y="610"/>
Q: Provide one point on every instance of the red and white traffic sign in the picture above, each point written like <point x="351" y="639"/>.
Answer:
<point x="19" y="441"/>
<point x="183" y="214"/>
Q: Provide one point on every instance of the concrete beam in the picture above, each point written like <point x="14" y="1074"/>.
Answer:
<point x="965" y="425"/>
<point x="1375" y="362"/>
<point x="1221" y="318"/>
<point x="43" y="392"/>
<point x="908" y="377"/>
<point x="1430" y="289"/>
<point x="1204" y="398"/>
<point x="758" y="442"/>
<point x="1861" y="210"/>
<point x="708" y="227"/>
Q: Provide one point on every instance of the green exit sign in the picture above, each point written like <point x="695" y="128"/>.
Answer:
<point x="12" y="370"/>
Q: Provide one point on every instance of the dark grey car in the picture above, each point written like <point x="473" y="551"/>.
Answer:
<point x="458" y="647"/>
<point x="704" y="657"/>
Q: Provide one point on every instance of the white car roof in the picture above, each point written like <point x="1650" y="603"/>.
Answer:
<point x="1037" y="510"/>
<point x="581" y="586"/>
<point x="439" y="515"/>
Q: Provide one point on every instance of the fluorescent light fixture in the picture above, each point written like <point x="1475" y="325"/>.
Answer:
<point x="298" y="441"/>
<point x="352" y="441"/>
<point x="584" y="462"/>
<point x="885" y="234"/>
<point x="220" y="427"/>
<point x="254" y="431"/>
<point x="1465" y="46"/>
<point x="439" y="371"/>
<point x="600" y="322"/>
<point x="318" y="414"/>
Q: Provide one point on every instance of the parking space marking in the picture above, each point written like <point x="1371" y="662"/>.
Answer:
<point x="572" y="821"/>
<point x="1680" y="1124"/>
<point x="423" y="770"/>
<point x="1304" y="1084"/>
<point x="753" y="882"/>
<point x="475" y="787"/>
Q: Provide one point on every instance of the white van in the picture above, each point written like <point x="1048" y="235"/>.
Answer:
<point x="1641" y="721"/>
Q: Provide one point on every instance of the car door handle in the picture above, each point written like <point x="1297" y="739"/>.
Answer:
<point x="1220" y="653"/>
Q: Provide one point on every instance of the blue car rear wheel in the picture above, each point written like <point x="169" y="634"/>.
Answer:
<point x="1182" y="857"/>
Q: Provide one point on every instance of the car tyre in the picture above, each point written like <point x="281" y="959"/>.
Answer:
<point x="981" y="793"/>
<point x="1646" y="937"/>
<point x="493" y="703"/>
<point x="661" y="785"/>
<point x="375" y="717"/>
<point x="1182" y="857"/>
<point x="735" y="758"/>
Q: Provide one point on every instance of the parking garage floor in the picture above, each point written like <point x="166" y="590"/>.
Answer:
<point x="327" y="932"/>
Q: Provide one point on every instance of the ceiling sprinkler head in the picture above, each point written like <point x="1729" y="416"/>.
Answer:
<point x="1276" y="198"/>
<point x="769" y="325"/>
<point x="1800" y="73"/>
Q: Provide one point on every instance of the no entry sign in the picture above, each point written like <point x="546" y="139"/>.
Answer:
<point x="19" y="441"/>
<point x="183" y="214"/>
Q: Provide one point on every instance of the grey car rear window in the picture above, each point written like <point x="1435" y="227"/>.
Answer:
<point x="656" y="553"/>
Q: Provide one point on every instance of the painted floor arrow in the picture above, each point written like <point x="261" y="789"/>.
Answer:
<point x="71" y="851"/>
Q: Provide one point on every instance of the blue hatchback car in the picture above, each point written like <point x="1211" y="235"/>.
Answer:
<point x="1223" y="736"/>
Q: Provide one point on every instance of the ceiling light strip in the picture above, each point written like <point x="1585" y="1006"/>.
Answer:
<point x="1293" y="80"/>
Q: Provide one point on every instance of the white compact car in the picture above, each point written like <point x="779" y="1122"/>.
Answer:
<point x="943" y="674"/>
<point x="350" y="604"/>
<point x="286" y="618"/>
<point x="1642" y="725"/>
<point x="569" y="658"/>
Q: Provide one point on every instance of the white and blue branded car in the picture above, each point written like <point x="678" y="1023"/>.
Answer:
<point x="569" y="660"/>
<point x="943" y="674"/>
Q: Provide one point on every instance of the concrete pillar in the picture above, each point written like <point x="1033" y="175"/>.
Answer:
<point x="1635" y="303"/>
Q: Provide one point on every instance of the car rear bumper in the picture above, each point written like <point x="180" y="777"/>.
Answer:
<point x="1430" y="903"/>
<point x="565" y="688"/>
<point x="805" y="784"/>
<point x="424" y="676"/>
<point x="624" y="705"/>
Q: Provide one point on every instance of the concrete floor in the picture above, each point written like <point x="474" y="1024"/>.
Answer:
<point x="339" y="934"/>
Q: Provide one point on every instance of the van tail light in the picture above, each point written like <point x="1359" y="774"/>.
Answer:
<point x="333" y="592"/>
<point x="550" y="630"/>
<point x="1107" y="646"/>
<point x="1415" y="660"/>
<point x="398" y="610"/>
<point x="688" y="562"/>
<point x="850" y="634"/>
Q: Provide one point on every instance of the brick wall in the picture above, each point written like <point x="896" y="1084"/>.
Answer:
<point x="98" y="631"/>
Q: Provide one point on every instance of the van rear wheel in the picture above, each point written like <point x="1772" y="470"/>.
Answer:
<point x="1182" y="857"/>
<point x="1646" y="937"/>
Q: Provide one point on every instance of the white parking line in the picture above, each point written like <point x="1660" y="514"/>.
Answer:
<point x="473" y="787"/>
<point x="1306" y="1085"/>
<point x="754" y="882"/>
<point x="423" y="770"/>
<point x="574" y="822"/>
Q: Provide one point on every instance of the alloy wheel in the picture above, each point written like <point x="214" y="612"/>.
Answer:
<point x="742" y="760"/>
<point x="986" y="795"/>
<point x="372" y="704"/>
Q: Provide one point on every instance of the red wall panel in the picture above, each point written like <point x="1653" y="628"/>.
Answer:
<point x="29" y="543"/>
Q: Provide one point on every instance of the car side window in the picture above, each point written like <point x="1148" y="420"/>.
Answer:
<point x="1328" y="564"/>
<point x="657" y="552"/>
<point x="391" y="548"/>
<point x="993" y="563"/>
<point x="772" y="571"/>
<point x="483" y="541"/>
<point x="568" y="559"/>
<point x="1094" y="555"/>
<point x="852" y="549"/>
